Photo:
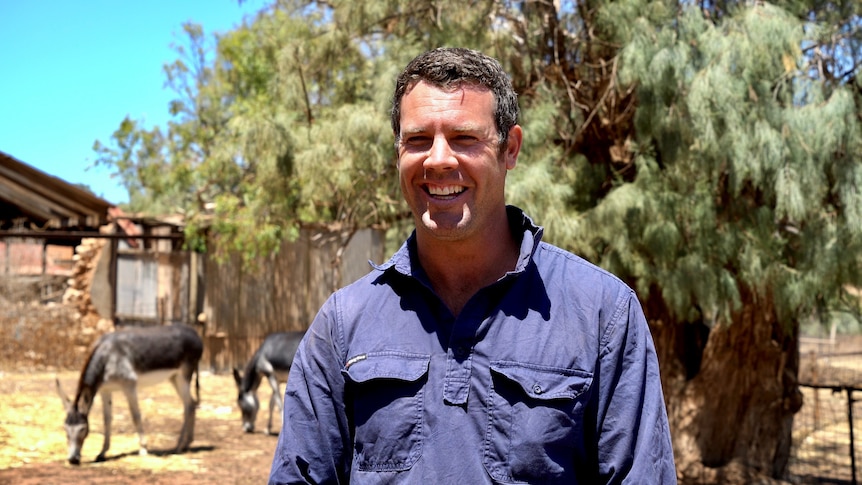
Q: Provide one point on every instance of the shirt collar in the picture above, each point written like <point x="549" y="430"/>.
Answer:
<point x="530" y="235"/>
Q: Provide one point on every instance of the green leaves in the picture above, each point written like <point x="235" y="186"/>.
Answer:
<point x="697" y="150"/>
<point x="754" y="149"/>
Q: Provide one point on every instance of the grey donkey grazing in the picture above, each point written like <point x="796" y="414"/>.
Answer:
<point x="271" y="360"/>
<point x="124" y="360"/>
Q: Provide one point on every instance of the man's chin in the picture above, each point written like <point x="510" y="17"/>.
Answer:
<point x="446" y="227"/>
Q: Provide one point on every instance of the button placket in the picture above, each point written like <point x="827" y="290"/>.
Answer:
<point x="459" y="366"/>
<point x="461" y="352"/>
<point x="457" y="382"/>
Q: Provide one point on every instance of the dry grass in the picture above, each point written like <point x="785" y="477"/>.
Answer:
<point x="34" y="444"/>
<point x="41" y="342"/>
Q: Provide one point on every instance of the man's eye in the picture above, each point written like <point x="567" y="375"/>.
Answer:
<point x="416" y="143"/>
<point x="417" y="140"/>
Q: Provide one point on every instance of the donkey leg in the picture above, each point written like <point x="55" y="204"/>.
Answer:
<point x="274" y="401"/>
<point x="182" y="384"/>
<point x="272" y="404"/>
<point x="131" y="392"/>
<point x="106" y="418"/>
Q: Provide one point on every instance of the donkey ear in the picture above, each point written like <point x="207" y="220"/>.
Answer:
<point x="237" y="376"/>
<point x="67" y="403"/>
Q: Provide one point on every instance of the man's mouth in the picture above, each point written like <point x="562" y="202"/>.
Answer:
<point x="445" y="191"/>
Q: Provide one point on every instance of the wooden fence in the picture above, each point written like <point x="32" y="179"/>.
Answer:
<point x="241" y="306"/>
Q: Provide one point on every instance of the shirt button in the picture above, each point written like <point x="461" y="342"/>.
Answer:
<point x="537" y="388"/>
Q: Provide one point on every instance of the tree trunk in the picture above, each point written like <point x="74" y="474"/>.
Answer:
<point x="731" y="390"/>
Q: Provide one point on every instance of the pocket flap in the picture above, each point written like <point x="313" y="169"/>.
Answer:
<point x="402" y="366"/>
<point x="545" y="382"/>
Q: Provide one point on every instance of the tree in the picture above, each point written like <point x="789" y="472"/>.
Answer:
<point x="743" y="216"/>
<point x="707" y="152"/>
<point x="276" y="124"/>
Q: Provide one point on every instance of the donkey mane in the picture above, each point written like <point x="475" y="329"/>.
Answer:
<point x="81" y="378"/>
<point x="250" y="377"/>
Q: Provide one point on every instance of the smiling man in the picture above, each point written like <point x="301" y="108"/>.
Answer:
<point x="477" y="353"/>
<point x="452" y="164"/>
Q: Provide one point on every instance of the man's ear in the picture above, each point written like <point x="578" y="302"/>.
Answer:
<point x="397" y="146"/>
<point x="513" y="146"/>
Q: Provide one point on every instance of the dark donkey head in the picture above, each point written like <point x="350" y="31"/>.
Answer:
<point x="247" y="384"/>
<point x="272" y="360"/>
<point x="77" y="423"/>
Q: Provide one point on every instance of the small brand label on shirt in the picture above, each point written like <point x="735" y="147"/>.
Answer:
<point x="354" y="360"/>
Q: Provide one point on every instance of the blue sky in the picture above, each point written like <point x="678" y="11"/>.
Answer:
<point x="70" y="71"/>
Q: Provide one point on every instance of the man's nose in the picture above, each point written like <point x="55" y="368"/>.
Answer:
<point x="441" y="156"/>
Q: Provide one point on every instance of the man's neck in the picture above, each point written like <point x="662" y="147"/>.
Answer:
<point x="458" y="270"/>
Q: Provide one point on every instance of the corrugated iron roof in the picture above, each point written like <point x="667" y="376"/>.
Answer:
<point x="33" y="199"/>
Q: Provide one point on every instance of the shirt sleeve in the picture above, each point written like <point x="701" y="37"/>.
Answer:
<point x="314" y="444"/>
<point x="634" y="444"/>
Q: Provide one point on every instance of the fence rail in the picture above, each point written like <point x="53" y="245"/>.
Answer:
<point x="826" y="429"/>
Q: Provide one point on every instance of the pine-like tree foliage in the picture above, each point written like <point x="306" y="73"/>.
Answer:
<point x="747" y="169"/>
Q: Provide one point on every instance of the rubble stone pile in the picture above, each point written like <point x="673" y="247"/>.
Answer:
<point x="77" y="293"/>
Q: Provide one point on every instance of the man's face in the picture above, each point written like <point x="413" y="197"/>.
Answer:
<point x="452" y="174"/>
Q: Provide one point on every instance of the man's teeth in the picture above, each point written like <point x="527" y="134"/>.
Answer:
<point x="445" y="190"/>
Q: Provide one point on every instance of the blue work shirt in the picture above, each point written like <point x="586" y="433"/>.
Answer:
<point x="547" y="376"/>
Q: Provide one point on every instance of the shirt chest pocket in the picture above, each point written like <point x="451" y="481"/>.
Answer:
<point x="386" y="401"/>
<point x="535" y="425"/>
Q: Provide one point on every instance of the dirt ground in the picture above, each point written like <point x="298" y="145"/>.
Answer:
<point x="36" y="349"/>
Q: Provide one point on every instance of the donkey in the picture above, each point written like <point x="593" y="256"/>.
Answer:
<point x="124" y="360"/>
<point x="271" y="360"/>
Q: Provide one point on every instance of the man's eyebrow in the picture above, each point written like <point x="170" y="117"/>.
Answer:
<point x="468" y="128"/>
<point x="413" y="131"/>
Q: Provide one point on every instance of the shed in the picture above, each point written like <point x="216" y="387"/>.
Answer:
<point x="42" y="219"/>
<point x="34" y="201"/>
<point x="61" y="241"/>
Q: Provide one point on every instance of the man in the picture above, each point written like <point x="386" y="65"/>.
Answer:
<point x="477" y="354"/>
